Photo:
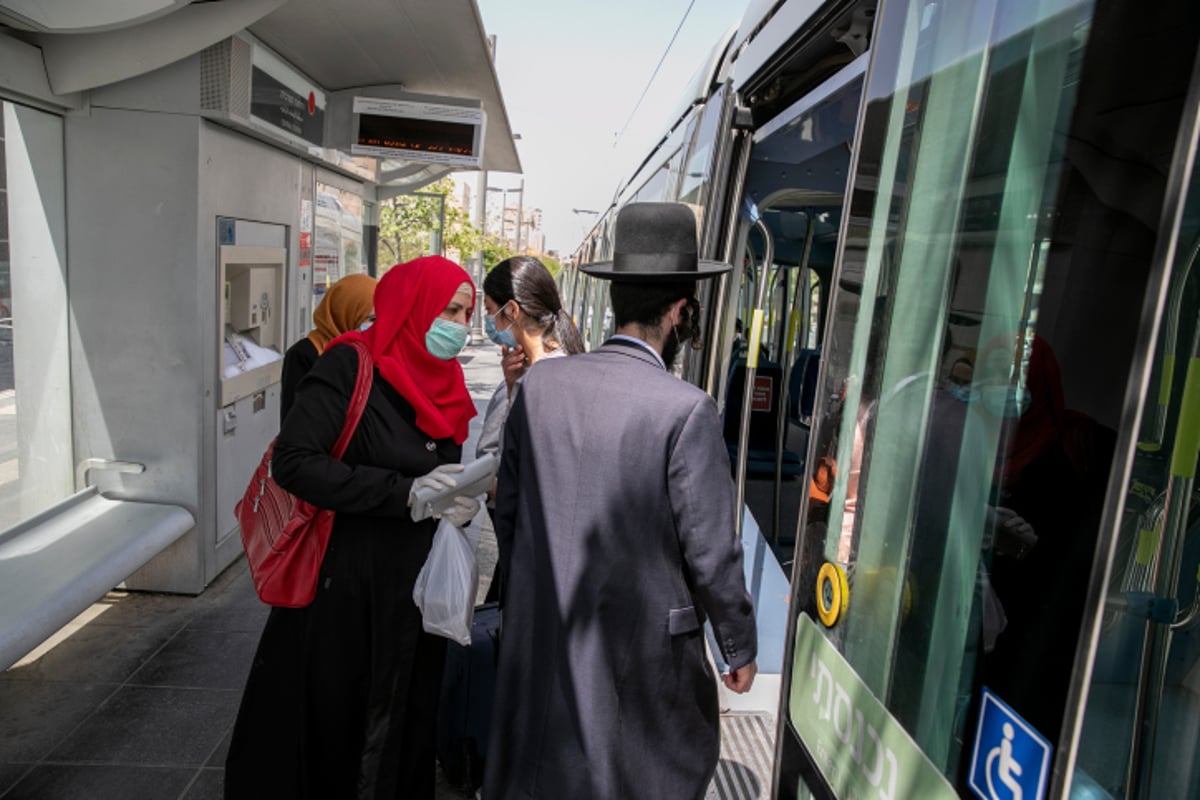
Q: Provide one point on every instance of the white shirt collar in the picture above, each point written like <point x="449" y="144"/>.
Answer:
<point x="642" y="344"/>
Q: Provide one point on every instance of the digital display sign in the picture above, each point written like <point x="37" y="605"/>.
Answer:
<point x="418" y="131"/>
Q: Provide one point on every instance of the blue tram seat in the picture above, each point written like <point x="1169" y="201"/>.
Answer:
<point x="802" y="386"/>
<point x="764" y="420"/>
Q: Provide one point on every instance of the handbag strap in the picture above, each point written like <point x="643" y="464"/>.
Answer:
<point x="358" y="401"/>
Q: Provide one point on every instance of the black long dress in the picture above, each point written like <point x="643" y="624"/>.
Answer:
<point x="341" y="701"/>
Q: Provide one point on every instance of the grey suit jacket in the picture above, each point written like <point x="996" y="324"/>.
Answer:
<point x="615" y="519"/>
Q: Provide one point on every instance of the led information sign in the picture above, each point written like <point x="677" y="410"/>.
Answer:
<point x="418" y="131"/>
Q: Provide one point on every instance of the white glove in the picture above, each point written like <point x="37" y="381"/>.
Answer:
<point x="438" y="478"/>
<point x="462" y="512"/>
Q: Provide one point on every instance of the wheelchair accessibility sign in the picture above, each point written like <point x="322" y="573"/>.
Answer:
<point x="1011" y="760"/>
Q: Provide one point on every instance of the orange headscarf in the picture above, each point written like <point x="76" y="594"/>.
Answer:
<point x="344" y="307"/>
<point x="407" y="301"/>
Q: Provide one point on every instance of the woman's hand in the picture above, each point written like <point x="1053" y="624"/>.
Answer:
<point x="512" y="361"/>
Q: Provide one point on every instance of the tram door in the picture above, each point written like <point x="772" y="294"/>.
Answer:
<point x="1141" y="729"/>
<point x="984" y="336"/>
<point x="795" y="181"/>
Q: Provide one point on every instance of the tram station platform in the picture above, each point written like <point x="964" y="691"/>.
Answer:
<point x="137" y="696"/>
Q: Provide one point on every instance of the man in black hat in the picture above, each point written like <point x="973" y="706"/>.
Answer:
<point x="615" y="520"/>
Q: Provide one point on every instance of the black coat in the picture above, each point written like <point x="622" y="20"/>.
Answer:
<point x="297" y="362"/>
<point x="342" y="697"/>
<point x="615" y="520"/>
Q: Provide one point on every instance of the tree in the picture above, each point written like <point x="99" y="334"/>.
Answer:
<point x="552" y="264"/>
<point x="409" y="224"/>
<point x="494" y="251"/>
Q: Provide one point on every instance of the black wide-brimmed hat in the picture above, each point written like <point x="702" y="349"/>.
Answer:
<point x="655" y="242"/>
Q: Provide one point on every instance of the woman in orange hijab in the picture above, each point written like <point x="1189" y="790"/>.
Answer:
<point x="342" y="696"/>
<point x="347" y="305"/>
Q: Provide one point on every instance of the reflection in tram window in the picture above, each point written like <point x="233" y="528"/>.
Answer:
<point x="980" y="341"/>
<point x="1141" y="731"/>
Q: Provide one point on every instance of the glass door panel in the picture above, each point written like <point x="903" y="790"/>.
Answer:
<point x="1141" y="733"/>
<point x="981" y="339"/>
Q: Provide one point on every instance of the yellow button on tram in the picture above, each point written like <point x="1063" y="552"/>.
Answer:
<point x="833" y="594"/>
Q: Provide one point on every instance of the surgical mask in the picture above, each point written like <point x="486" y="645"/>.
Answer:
<point x="366" y="325"/>
<point x="500" y="337"/>
<point x="1004" y="401"/>
<point x="963" y="394"/>
<point x="446" y="339"/>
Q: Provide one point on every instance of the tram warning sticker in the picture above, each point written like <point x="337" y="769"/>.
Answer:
<point x="1011" y="760"/>
<point x="761" y="399"/>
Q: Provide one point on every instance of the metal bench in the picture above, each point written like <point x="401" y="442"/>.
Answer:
<point x="56" y="564"/>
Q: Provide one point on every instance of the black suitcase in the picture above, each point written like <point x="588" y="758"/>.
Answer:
<point x="465" y="709"/>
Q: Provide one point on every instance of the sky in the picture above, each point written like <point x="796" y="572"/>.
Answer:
<point x="571" y="72"/>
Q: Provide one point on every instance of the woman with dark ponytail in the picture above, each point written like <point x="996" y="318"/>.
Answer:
<point x="525" y="316"/>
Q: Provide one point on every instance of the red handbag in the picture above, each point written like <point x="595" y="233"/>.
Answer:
<point x="285" y="537"/>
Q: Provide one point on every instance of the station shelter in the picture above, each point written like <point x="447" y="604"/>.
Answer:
<point x="181" y="182"/>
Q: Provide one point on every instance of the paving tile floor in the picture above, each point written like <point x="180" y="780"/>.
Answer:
<point x="137" y="696"/>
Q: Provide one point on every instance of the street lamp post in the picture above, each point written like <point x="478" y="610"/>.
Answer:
<point x="520" y="191"/>
<point x="520" y="215"/>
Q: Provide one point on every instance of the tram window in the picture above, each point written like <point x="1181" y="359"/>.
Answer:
<point x="1138" y="721"/>
<point x="811" y="336"/>
<point x="655" y="189"/>
<point x="694" y="182"/>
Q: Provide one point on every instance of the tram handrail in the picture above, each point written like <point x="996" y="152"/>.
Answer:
<point x="789" y="363"/>
<point x="755" y="339"/>
<point x="1165" y="568"/>
<point x="1171" y="330"/>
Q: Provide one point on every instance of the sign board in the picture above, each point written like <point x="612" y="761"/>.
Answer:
<point x="761" y="399"/>
<point x="417" y="130"/>
<point x="859" y="747"/>
<point x="1011" y="760"/>
<point x="284" y="102"/>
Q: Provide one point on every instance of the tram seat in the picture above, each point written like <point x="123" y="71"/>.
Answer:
<point x="764" y="421"/>
<point x="802" y="386"/>
<point x="56" y="564"/>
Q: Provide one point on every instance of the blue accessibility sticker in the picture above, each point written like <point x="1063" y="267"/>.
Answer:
<point x="226" y="230"/>
<point x="1011" y="761"/>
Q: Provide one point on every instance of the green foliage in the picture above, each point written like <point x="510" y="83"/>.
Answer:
<point x="552" y="264"/>
<point x="494" y="251"/>
<point x="409" y="226"/>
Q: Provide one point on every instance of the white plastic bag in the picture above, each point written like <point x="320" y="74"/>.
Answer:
<point x="446" y="586"/>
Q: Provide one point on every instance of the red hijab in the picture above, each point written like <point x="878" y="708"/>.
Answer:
<point x="407" y="301"/>
<point x="1042" y="423"/>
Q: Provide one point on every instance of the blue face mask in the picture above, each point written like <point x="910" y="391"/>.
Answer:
<point x="366" y="324"/>
<point x="500" y="337"/>
<point x="963" y="394"/>
<point x="446" y="339"/>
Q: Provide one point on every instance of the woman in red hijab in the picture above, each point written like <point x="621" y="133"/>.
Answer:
<point x="1051" y="473"/>
<point x="342" y="696"/>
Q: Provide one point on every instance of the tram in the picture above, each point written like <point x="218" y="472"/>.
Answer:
<point x="959" y="364"/>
